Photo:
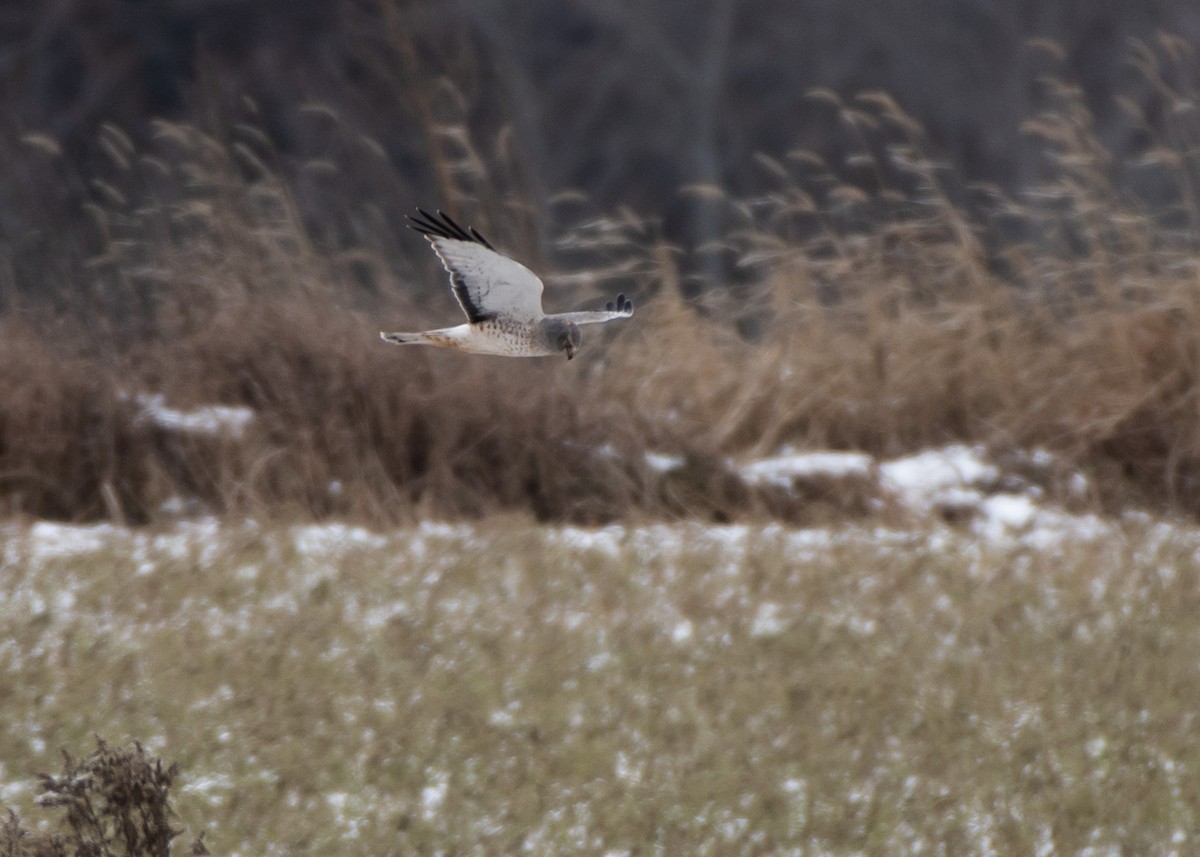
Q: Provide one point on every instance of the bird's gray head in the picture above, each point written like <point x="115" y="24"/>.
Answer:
<point x="562" y="335"/>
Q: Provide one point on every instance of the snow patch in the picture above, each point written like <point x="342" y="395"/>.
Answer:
<point x="48" y="540"/>
<point x="783" y="470"/>
<point x="322" y="540"/>
<point x="434" y="794"/>
<point x="952" y="475"/>
<point x="767" y="621"/>
<point x="606" y="541"/>
<point x="208" y="421"/>
<point x="683" y="631"/>
<point x="661" y="463"/>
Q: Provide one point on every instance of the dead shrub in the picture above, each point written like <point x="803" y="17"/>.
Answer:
<point x="114" y="803"/>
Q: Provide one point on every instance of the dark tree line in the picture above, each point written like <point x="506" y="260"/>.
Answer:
<point x="626" y="101"/>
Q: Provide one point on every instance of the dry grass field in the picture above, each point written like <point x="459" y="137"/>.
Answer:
<point x="507" y="688"/>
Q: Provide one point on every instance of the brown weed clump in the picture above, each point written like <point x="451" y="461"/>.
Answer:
<point x="114" y="803"/>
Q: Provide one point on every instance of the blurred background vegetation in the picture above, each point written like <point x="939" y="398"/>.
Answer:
<point x="845" y="225"/>
<point x="628" y="103"/>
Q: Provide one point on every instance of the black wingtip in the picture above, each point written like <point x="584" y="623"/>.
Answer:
<point x="442" y="225"/>
<point x="475" y="234"/>
<point x="455" y="230"/>
<point x="622" y="305"/>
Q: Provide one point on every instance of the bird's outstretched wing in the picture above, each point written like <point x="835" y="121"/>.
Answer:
<point x="622" y="307"/>
<point x="487" y="283"/>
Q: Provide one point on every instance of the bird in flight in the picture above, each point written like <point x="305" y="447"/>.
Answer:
<point x="501" y="297"/>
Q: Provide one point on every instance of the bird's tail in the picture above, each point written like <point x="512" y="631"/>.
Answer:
<point x="405" y="338"/>
<point x="451" y="337"/>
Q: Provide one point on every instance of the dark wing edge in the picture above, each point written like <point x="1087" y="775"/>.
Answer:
<point x="441" y="225"/>
<point x="622" y="304"/>
<point x="622" y="307"/>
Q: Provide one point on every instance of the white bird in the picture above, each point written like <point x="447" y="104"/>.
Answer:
<point x="501" y="297"/>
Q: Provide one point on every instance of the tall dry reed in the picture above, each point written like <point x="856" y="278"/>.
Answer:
<point x="878" y="310"/>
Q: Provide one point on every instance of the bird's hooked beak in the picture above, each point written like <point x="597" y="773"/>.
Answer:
<point x="570" y="351"/>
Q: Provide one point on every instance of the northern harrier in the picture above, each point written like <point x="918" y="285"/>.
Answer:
<point x="501" y="297"/>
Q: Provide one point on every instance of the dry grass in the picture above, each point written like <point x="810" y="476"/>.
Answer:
<point x="876" y="313"/>
<point x="511" y="689"/>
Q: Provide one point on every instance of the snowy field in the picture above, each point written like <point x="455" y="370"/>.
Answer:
<point x="1012" y="678"/>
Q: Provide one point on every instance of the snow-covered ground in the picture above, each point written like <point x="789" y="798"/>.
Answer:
<point x="957" y="482"/>
<point x="954" y="502"/>
<point x="992" y="511"/>
<point x="953" y="489"/>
